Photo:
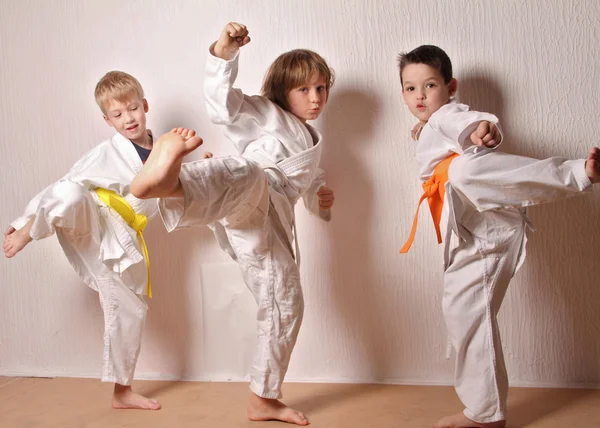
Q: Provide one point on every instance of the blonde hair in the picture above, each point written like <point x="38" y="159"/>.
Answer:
<point x="117" y="85"/>
<point x="291" y="70"/>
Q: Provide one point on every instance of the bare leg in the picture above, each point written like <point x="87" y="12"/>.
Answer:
<point x="125" y="398"/>
<point x="16" y="240"/>
<point x="461" y="421"/>
<point x="264" y="409"/>
<point x="159" y="177"/>
<point x="592" y="165"/>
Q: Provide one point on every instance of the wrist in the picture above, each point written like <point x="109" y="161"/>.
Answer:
<point x="225" y="52"/>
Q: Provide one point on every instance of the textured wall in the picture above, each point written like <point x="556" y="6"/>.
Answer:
<point x="371" y="315"/>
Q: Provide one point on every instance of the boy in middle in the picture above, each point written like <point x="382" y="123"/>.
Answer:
<point x="478" y="196"/>
<point x="248" y="200"/>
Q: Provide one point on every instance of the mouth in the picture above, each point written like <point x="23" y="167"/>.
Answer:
<point x="420" y="107"/>
<point x="132" y="128"/>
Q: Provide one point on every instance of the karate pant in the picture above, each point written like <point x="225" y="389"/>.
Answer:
<point x="489" y="190"/>
<point x="69" y="209"/>
<point x="234" y="193"/>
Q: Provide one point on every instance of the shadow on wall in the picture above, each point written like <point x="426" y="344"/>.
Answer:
<point x="357" y="297"/>
<point x="170" y="327"/>
<point x="482" y="93"/>
<point x="559" y="283"/>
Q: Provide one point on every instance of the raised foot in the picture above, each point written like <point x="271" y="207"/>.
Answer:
<point x="159" y="177"/>
<point x="16" y="240"/>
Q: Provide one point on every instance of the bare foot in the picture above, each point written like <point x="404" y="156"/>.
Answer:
<point x="461" y="421"/>
<point x="159" y="177"/>
<point x="264" y="409"/>
<point x="16" y="240"/>
<point x="125" y="398"/>
<point x="592" y="165"/>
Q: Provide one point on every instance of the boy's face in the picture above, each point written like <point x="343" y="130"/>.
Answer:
<point x="128" y="118"/>
<point x="424" y="90"/>
<point x="307" y="101"/>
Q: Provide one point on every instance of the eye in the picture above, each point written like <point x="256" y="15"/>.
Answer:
<point x="409" y="88"/>
<point x="303" y="89"/>
<point x="134" y="108"/>
<point x="321" y="88"/>
<point x="430" y="85"/>
<point x="118" y="115"/>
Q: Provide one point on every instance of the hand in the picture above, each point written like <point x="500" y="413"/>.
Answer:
<point x="487" y="134"/>
<point x="326" y="198"/>
<point x="232" y="38"/>
<point x="416" y="131"/>
<point x="9" y="231"/>
<point x="207" y="155"/>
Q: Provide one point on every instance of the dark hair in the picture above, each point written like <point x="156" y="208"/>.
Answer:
<point x="291" y="70"/>
<point x="429" y="55"/>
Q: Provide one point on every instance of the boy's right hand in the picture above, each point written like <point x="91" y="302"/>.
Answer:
<point x="487" y="134"/>
<point x="232" y="38"/>
<point x="9" y="231"/>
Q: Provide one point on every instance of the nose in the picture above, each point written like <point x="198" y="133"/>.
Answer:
<point x="315" y="97"/>
<point x="128" y="117"/>
<point x="420" y="94"/>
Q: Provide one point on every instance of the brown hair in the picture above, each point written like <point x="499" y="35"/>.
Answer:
<point x="117" y="85"/>
<point x="291" y="70"/>
<point x="429" y="55"/>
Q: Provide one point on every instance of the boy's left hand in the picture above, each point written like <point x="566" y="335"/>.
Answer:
<point x="326" y="198"/>
<point x="487" y="134"/>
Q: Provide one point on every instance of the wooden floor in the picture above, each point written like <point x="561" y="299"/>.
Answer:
<point x="85" y="403"/>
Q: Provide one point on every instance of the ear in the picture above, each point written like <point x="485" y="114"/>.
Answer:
<point x="146" y="108"/>
<point x="404" y="96"/>
<point x="108" y="122"/>
<point x="452" y="87"/>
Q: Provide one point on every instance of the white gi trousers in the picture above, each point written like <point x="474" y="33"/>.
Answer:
<point x="486" y="194"/>
<point x="71" y="211"/>
<point x="233" y="196"/>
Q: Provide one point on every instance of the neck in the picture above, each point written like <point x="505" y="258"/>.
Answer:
<point x="144" y="141"/>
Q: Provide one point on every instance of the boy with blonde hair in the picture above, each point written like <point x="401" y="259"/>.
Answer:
<point x="478" y="196"/>
<point x="99" y="226"/>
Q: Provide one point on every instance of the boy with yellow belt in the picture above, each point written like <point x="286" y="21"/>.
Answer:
<point x="99" y="225"/>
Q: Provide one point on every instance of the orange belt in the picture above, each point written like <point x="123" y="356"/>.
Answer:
<point x="434" y="192"/>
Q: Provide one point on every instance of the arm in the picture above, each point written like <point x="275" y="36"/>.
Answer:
<point x="246" y="117"/>
<point x="223" y="102"/>
<point x="319" y="199"/>
<point x="467" y="127"/>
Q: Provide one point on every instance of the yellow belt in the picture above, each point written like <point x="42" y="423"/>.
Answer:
<point x="137" y="222"/>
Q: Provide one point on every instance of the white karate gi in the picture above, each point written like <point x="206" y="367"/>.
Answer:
<point x="484" y="205"/>
<point x="248" y="201"/>
<point x="100" y="246"/>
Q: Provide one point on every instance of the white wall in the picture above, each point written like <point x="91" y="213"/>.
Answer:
<point x="371" y="314"/>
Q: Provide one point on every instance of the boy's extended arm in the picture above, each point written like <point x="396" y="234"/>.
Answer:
<point x="466" y="126"/>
